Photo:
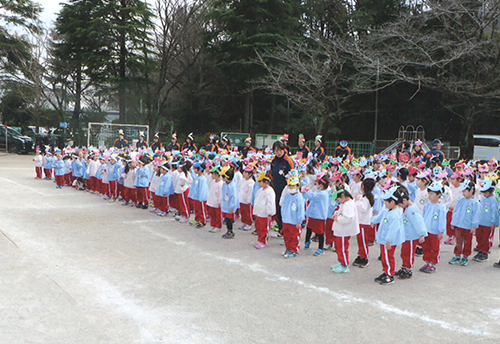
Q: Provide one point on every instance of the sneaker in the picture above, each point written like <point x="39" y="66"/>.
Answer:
<point x="106" y="198"/>
<point x="340" y="269"/>
<point x="162" y="213"/>
<point x="254" y="232"/>
<point x="125" y="203"/>
<point x="424" y="267"/>
<point x="275" y="227"/>
<point x="475" y="249"/>
<point x="200" y="225"/>
<point x="153" y="210"/>
<point x="145" y="206"/>
<point x="371" y="243"/>
<point x="193" y="223"/>
<point x="306" y="245"/>
<point x="455" y="260"/>
<point x="464" y="261"/>
<point x="247" y="228"/>
<point x="429" y="268"/>
<point x="399" y="272"/>
<point x="314" y="238"/>
<point x="214" y="230"/>
<point x="258" y="245"/>
<point x="496" y="264"/>
<point x="241" y="227"/>
<point x="480" y="257"/>
<point x="381" y="277"/>
<point x="419" y="252"/>
<point x="133" y="204"/>
<point x="177" y="218"/>
<point x="336" y="266"/>
<point x="327" y="247"/>
<point x="138" y="205"/>
<point x="318" y="252"/>
<point x="406" y="274"/>
<point x="364" y="263"/>
<point x="357" y="261"/>
<point x="450" y="241"/>
<point x="387" y="280"/>
<point x="228" y="235"/>
<point x="290" y="254"/>
<point x="184" y="220"/>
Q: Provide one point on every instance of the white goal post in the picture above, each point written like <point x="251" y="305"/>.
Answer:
<point x="105" y="134"/>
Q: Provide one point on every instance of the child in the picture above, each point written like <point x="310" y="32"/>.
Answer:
<point x="229" y="200"/>
<point x="141" y="182"/>
<point x="390" y="233"/>
<point x="464" y="222"/>
<point x="38" y="159"/>
<point x="245" y="195"/>
<point x="488" y="220"/>
<point x="47" y="165"/>
<point x="293" y="214"/>
<point x="164" y="189"/>
<point x="174" y="173"/>
<point x="264" y="209"/>
<point x="93" y="167"/>
<point x="364" y="206"/>
<point x="214" y="200"/>
<point x="199" y="195"/>
<point x="435" y="223"/>
<point x="456" y="194"/>
<point x="184" y="180"/>
<point x="355" y="184"/>
<point x="59" y="169"/>
<point x="421" y="196"/>
<point x="415" y="233"/>
<point x="154" y="184"/>
<point x="316" y="213"/>
<point x="345" y="225"/>
<point x="129" y="191"/>
<point x="113" y="176"/>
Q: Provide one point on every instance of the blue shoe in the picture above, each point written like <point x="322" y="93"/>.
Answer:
<point x="290" y="254"/>
<point x="318" y="252"/>
<point x="306" y="245"/>
<point x="336" y="266"/>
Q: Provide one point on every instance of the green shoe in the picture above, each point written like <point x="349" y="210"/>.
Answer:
<point x="340" y="269"/>
<point x="228" y="235"/>
<point x="455" y="260"/>
<point x="193" y="223"/>
<point x="464" y="261"/>
<point x="275" y="228"/>
<point x="336" y="266"/>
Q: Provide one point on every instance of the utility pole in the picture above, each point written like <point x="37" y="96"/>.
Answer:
<point x="376" y="107"/>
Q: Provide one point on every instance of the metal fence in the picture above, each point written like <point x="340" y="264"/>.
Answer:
<point x="357" y="148"/>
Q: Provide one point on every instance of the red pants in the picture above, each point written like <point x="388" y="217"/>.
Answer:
<point x="162" y="203"/>
<point x="449" y="232"/>
<point x="329" y="238"/>
<point x="183" y="203"/>
<point x="362" y="237"/>
<point x="408" y="253"/>
<point x="48" y="173"/>
<point x="388" y="261"/>
<point x="215" y="217"/>
<point x="92" y="184"/>
<point x="60" y="180"/>
<point x="246" y="213"/>
<point x="38" y="171"/>
<point x="113" y="188"/>
<point x="262" y="225"/>
<point x="292" y="237"/>
<point x="228" y="216"/>
<point x="370" y="236"/>
<point x="431" y="248"/>
<point x="317" y="226"/>
<point x="156" y="201"/>
<point x="483" y="234"/>
<point x="463" y="244"/>
<point x="142" y="195"/>
<point x="200" y="211"/>
<point x="121" y="188"/>
<point x="172" y="199"/>
<point x="98" y="187"/>
<point x="67" y="179"/>
<point x="105" y="189"/>
<point x="342" y="249"/>
<point x="130" y="195"/>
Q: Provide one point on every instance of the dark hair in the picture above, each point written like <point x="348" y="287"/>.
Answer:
<point x="229" y="174"/>
<point x="310" y="169"/>
<point x="342" y="191"/>
<point x="403" y="173"/>
<point x="368" y="186"/>
<point x="186" y="167"/>
<point x="325" y="182"/>
<point x="403" y="192"/>
<point x="278" y="144"/>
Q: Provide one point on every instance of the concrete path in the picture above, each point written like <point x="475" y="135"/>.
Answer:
<point x="77" y="269"/>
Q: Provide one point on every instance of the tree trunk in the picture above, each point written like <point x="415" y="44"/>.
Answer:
<point x="271" y="115"/>
<point x="75" y="120"/>
<point x="467" y="146"/>
<point x="246" y="115"/>
<point x="122" y="69"/>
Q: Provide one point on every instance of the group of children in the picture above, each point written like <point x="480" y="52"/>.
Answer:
<point x="375" y="199"/>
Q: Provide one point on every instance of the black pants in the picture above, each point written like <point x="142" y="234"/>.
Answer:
<point x="321" y="238"/>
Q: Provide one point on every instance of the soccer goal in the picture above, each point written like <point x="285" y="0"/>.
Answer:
<point x="104" y="134"/>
